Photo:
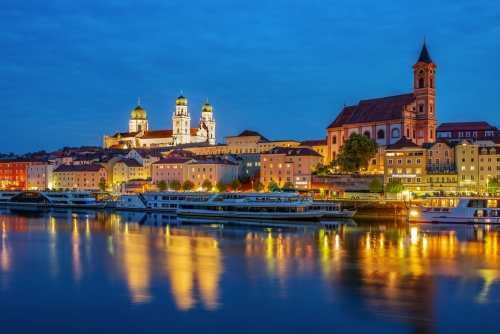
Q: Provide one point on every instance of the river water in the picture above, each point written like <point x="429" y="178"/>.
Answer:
<point x="107" y="272"/>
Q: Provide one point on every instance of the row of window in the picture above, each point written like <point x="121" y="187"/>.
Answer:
<point x="400" y="161"/>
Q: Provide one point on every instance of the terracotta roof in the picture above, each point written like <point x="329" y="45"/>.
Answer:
<point x="464" y="126"/>
<point x="157" y="134"/>
<point x="292" y="151"/>
<point x="119" y="146"/>
<point x="79" y="168"/>
<point x="375" y="110"/>
<point x="402" y="143"/>
<point x="193" y="131"/>
<point x="215" y="162"/>
<point x="130" y="162"/>
<point x="125" y="134"/>
<point x="320" y="142"/>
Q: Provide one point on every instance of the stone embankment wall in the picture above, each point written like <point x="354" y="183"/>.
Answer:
<point x="341" y="182"/>
<point x="375" y="207"/>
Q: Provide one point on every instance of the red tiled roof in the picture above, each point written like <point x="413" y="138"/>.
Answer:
<point x="193" y="131"/>
<point x="464" y="126"/>
<point x="374" y="110"/>
<point x="295" y="151"/>
<point x="320" y="142"/>
<point x="157" y="134"/>
<point x="79" y="168"/>
<point x="402" y="143"/>
<point x="130" y="162"/>
<point x="125" y="134"/>
<point x="173" y="160"/>
<point x="248" y="133"/>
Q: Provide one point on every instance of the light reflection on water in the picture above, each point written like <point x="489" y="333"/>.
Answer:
<point x="381" y="274"/>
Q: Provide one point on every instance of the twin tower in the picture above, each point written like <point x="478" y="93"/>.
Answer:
<point x="181" y="132"/>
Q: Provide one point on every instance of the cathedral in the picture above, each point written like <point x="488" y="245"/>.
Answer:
<point x="388" y="119"/>
<point x="139" y="135"/>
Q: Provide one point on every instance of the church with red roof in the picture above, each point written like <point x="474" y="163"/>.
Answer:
<point x="388" y="119"/>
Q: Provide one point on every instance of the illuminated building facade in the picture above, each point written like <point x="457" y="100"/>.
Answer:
<point x="39" y="177"/>
<point x="13" y="172"/>
<point x="284" y="164"/>
<point x="83" y="177"/>
<point x="139" y="134"/>
<point x="388" y="119"/>
<point x="214" y="170"/>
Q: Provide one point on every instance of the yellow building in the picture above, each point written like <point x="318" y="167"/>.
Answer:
<point x="283" y="164"/>
<point x="467" y="159"/>
<point x="82" y="177"/>
<point x="129" y="169"/>
<point x="404" y="160"/>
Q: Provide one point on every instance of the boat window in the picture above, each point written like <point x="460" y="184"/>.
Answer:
<point x="476" y="203"/>
<point x="479" y="213"/>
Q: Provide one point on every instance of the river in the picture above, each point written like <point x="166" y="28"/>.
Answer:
<point x="69" y="271"/>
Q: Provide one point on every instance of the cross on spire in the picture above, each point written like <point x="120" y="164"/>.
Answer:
<point x="424" y="39"/>
<point x="139" y="102"/>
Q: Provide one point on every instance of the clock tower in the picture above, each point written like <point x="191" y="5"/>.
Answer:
<point x="424" y="81"/>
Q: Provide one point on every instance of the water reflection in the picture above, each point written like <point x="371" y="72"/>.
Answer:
<point x="384" y="269"/>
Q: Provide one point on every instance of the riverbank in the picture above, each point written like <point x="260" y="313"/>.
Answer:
<point x="375" y="207"/>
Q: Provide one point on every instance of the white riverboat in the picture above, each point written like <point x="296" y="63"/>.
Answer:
<point x="332" y="209"/>
<point x="470" y="210"/>
<point x="158" y="201"/>
<point x="253" y="206"/>
<point x="62" y="199"/>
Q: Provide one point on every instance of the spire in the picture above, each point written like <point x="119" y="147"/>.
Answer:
<point x="425" y="57"/>
<point x="181" y="91"/>
<point x="139" y="102"/>
<point x="207" y="99"/>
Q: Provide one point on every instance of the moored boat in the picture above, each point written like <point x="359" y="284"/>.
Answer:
<point x="63" y="199"/>
<point x="250" y="206"/>
<point x="157" y="201"/>
<point x="470" y="210"/>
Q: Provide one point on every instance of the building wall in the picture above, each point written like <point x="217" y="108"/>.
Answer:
<point x="407" y="165"/>
<point x="467" y="159"/>
<point x="170" y="172"/>
<point x="39" y="177"/>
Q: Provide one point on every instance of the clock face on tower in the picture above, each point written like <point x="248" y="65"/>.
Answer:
<point x="421" y="71"/>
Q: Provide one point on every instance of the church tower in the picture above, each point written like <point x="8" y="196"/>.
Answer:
<point x="424" y="81"/>
<point x="138" y="121"/>
<point x="181" y="122"/>
<point x="208" y="123"/>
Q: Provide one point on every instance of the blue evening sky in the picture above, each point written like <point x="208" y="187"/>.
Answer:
<point x="73" y="70"/>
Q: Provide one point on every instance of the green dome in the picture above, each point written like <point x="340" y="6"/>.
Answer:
<point x="138" y="113"/>
<point x="207" y="107"/>
<point x="181" y="101"/>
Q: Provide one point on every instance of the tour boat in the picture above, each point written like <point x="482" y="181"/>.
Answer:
<point x="472" y="210"/>
<point x="157" y="201"/>
<point x="64" y="199"/>
<point x="332" y="210"/>
<point x="250" y="206"/>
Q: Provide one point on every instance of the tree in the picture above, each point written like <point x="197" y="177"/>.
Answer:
<point x="394" y="186"/>
<point x="355" y="153"/>
<point x="258" y="186"/>
<point x="221" y="186"/>
<point x="235" y="184"/>
<point x="207" y="185"/>
<point x="375" y="186"/>
<point x="288" y="184"/>
<point x="321" y="169"/>
<point x="162" y="185"/>
<point x="271" y="185"/>
<point x="176" y="185"/>
<point x="102" y="184"/>
<point x="244" y="179"/>
<point x="187" y="185"/>
<point x="493" y="185"/>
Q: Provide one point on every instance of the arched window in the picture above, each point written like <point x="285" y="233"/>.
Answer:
<point x="139" y="128"/>
<point x="334" y="140"/>
<point x="421" y="83"/>
<point x="380" y="134"/>
<point x="395" y="133"/>
<point x="367" y="134"/>
<point x="334" y="155"/>
<point x="431" y="82"/>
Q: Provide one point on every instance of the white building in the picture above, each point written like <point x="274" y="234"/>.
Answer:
<point x="139" y="134"/>
<point x="39" y="177"/>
